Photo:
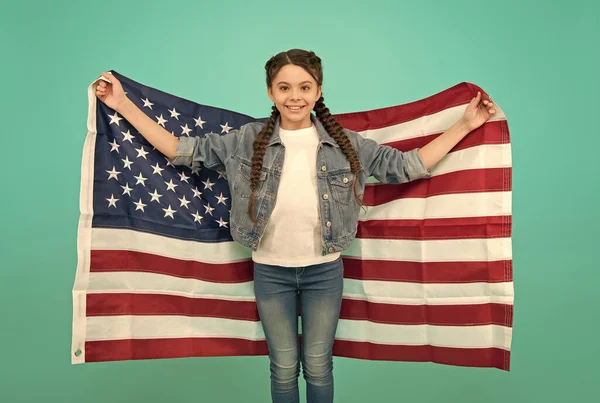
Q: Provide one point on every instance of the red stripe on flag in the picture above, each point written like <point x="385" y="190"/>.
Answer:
<point x="469" y="357"/>
<point x="141" y="349"/>
<point x="130" y="261"/>
<point x="490" y="134"/>
<point x="460" y="94"/>
<point x="466" y="181"/>
<point x="147" y="349"/>
<point x="437" y="228"/>
<point x="429" y="272"/>
<point x="440" y="315"/>
<point x="158" y="304"/>
<point x="418" y="272"/>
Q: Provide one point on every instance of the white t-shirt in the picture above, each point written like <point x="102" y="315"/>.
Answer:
<point x="293" y="235"/>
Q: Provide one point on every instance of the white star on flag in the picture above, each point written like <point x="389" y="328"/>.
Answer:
<point x="184" y="202"/>
<point x="169" y="212"/>
<point x="208" y="208"/>
<point x="114" y="146"/>
<point x="174" y="114"/>
<point x="157" y="169"/>
<point x="197" y="217"/>
<point x="126" y="189"/>
<point x="147" y="103"/>
<point x="141" y="152"/>
<point x="171" y="185"/>
<point x="139" y="205"/>
<point x="199" y="122"/>
<point x="112" y="201"/>
<point x="127" y="136"/>
<point x="186" y="130"/>
<point x="169" y="162"/>
<point x="225" y="128"/>
<point x="115" y="118"/>
<point x="208" y="184"/>
<point x="183" y="177"/>
<point x="140" y="179"/>
<point x="127" y="163"/>
<point x="113" y="174"/>
<point x="155" y="196"/>
<point x="221" y="199"/>
<point x="161" y="120"/>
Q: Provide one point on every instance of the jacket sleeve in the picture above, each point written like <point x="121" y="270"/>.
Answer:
<point x="213" y="150"/>
<point x="387" y="164"/>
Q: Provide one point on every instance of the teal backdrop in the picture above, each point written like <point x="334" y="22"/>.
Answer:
<point x="535" y="58"/>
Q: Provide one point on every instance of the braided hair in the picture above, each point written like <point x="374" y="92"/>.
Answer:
<point x="310" y="62"/>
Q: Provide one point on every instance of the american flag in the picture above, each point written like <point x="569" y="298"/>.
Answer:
<point x="428" y="277"/>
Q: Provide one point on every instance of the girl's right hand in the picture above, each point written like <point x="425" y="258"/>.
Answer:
<point x="112" y="94"/>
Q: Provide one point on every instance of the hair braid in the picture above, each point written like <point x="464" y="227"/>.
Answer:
<point x="260" y="147"/>
<point x="336" y="131"/>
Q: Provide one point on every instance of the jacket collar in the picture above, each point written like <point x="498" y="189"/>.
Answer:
<point x="324" y="137"/>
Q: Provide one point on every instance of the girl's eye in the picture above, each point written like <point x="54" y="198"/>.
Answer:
<point x="307" y="87"/>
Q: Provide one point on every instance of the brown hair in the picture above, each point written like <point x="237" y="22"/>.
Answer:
<point x="310" y="62"/>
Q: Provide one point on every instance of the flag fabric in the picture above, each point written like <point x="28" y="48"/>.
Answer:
<point x="428" y="277"/>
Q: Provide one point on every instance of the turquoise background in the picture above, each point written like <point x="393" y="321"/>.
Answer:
<point x="535" y="58"/>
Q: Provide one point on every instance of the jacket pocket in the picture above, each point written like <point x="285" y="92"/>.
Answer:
<point x="241" y="185"/>
<point x="342" y="187"/>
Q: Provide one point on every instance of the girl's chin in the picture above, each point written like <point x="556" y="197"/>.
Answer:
<point x="298" y="118"/>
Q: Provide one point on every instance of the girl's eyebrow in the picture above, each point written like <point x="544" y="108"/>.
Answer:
<point x="283" y="82"/>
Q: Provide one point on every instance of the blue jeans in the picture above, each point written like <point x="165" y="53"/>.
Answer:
<point x="319" y="288"/>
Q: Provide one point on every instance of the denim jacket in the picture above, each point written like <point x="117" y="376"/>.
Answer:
<point x="339" y="211"/>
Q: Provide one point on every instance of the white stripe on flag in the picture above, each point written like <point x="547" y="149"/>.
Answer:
<point x="445" y="250"/>
<point x="153" y="327"/>
<point x="456" y="250"/>
<point x="368" y="290"/>
<point x="479" y="157"/>
<point x="434" y="123"/>
<point x="483" y="204"/>
<point x="209" y="252"/>
<point x="154" y="283"/>
<point x="483" y="336"/>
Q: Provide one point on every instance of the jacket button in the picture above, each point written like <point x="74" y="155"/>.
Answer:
<point x="330" y="249"/>
<point x="345" y="180"/>
<point x="328" y="224"/>
<point x="325" y="196"/>
<point x="323" y="168"/>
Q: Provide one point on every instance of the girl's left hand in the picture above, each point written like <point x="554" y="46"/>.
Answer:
<point x="477" y="112"/>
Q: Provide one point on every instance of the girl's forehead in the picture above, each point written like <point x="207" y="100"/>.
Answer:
<point x="293" y="74"/>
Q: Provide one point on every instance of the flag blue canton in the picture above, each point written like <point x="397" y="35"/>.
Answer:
<point x="135" y="185"/>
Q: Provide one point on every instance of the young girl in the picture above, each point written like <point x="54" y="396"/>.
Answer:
<point x="296" y="184"/>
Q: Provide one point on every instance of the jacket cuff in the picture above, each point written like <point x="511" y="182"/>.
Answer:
<point x="184" y="152"/>
<point x="414" y="165"/>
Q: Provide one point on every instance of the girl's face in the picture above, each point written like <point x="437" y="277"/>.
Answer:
<point x="294" y="87"/>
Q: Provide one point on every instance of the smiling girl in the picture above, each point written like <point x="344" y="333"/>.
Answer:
<point x="296" y="183"/>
